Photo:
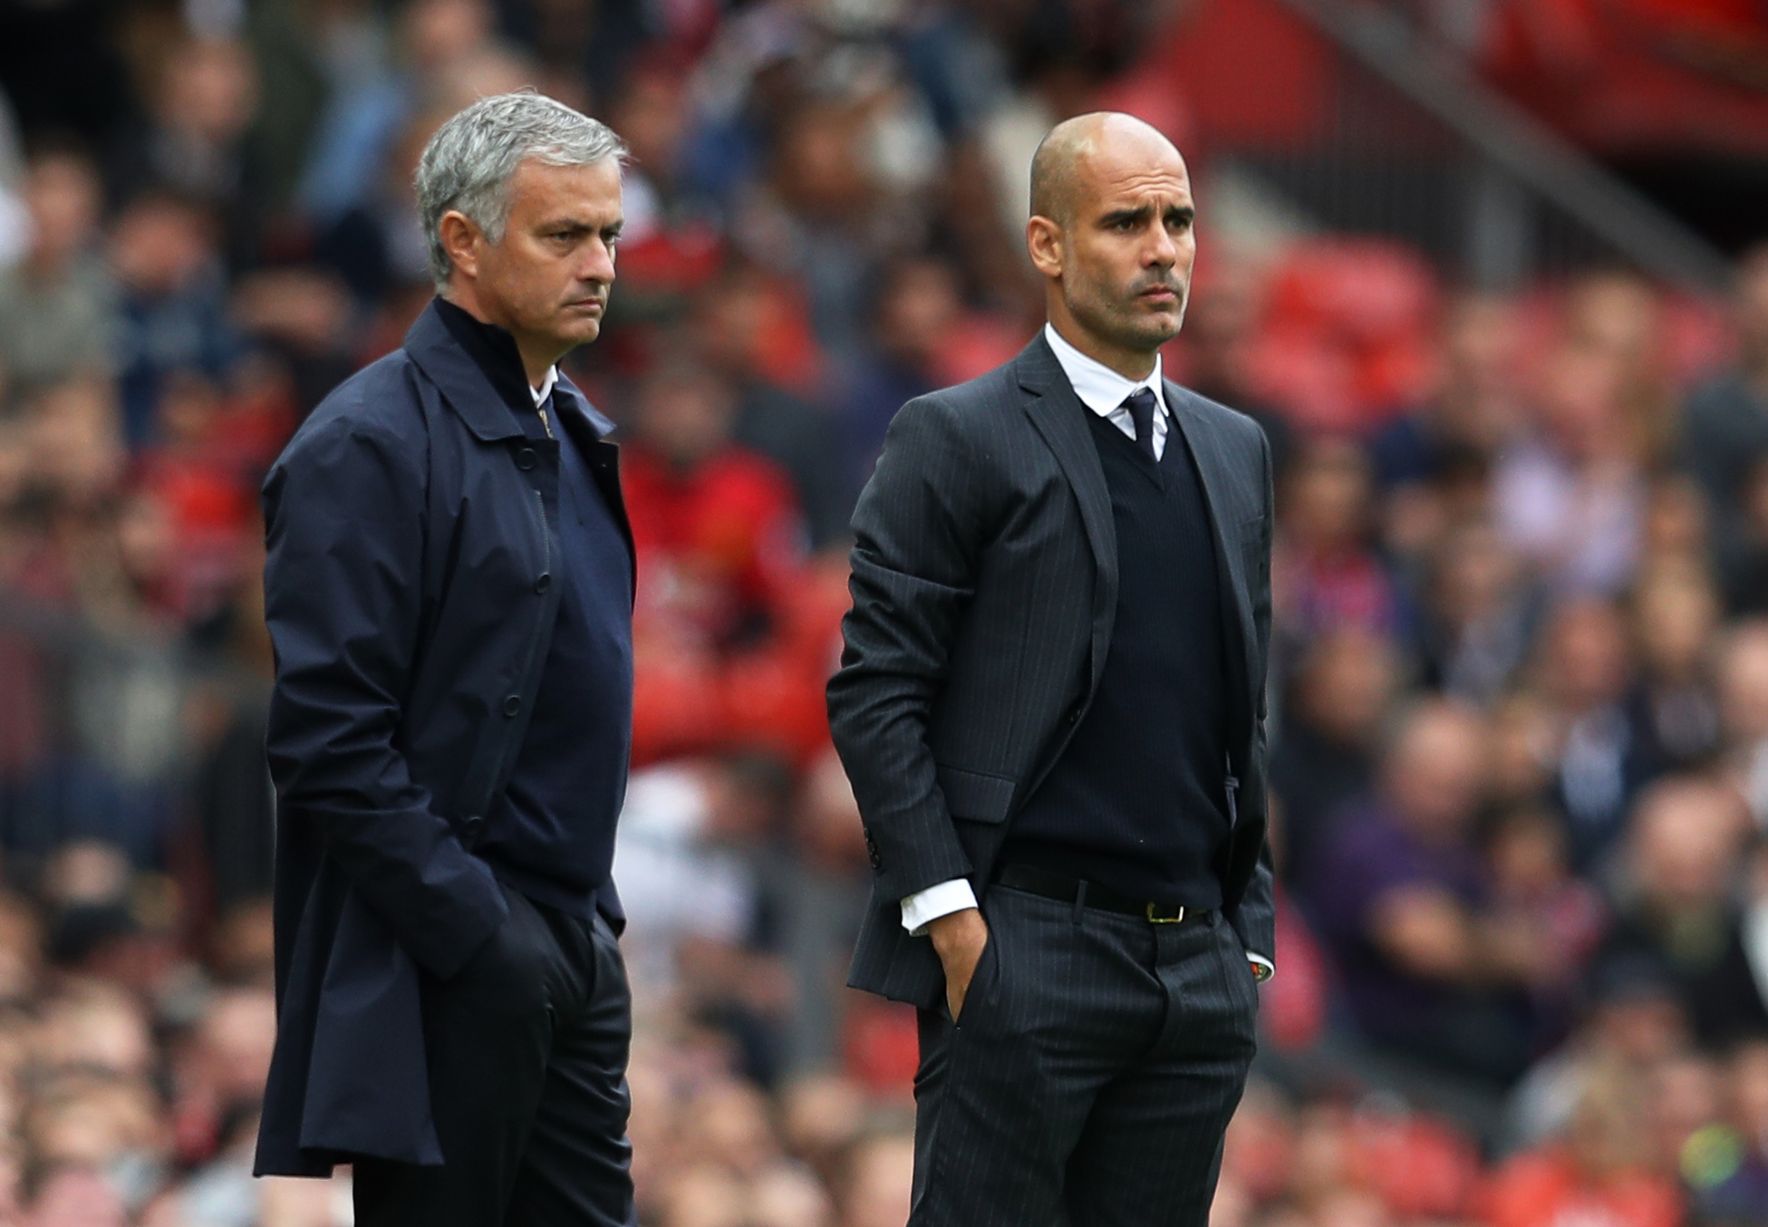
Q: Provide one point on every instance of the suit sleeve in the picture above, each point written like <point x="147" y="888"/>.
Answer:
<point x="917" y="529"/>
<point x="1255" y="917"/>
<point x="344" y="531"/>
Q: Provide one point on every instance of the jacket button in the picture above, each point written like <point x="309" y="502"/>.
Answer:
<point x="543" y="581"/>
<point x="512" y="705"/>
<point x="526" y="459"/>
<point x="1072" y="716"/>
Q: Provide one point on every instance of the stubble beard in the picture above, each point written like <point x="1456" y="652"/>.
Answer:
<point x="1121" y="321"/>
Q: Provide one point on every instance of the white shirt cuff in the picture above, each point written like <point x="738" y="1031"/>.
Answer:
<point x="1262" y="961"/>
<point x="926" y="906"/>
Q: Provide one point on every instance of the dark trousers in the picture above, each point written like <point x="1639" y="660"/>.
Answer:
<point x="1090" y="1075"/>
<point x="527" y="1049"/>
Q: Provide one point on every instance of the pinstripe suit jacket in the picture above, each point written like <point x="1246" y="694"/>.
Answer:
<point x="984" y="589"/>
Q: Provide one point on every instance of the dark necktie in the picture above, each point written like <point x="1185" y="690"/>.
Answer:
<point x="1140" y="403"/>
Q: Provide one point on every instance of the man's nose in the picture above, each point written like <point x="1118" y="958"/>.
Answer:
<point x="1162" y="252"/>
<point x="598" y="264"/>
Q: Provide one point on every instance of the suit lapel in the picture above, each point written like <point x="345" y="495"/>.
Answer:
<point x="1060" y="419"/>
<point x="1215" y="476"/>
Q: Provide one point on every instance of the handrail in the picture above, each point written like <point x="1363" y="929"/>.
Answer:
<point x="1513" y="140"/>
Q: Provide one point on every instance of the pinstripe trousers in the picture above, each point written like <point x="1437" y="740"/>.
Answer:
<point x="1090" y="1075"/>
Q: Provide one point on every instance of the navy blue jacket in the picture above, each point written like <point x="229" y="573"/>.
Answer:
<point x="408" y="525"/>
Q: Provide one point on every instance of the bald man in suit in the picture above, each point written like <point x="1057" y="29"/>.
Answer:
<point x="1051" y="707"/>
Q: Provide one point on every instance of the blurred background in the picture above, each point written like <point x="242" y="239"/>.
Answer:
<point x="1486" y="271"/>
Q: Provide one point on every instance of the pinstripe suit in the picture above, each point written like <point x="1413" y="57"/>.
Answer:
<point x="984" y="583"/>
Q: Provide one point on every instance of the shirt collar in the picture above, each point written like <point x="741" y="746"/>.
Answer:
<point x="1100" y="388"/>
<point x="546" y="386"/>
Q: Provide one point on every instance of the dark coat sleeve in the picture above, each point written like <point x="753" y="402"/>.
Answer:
<point x="344" y="524"/>
<point x="1255" y="917"/>
<point x="918" y="530"/>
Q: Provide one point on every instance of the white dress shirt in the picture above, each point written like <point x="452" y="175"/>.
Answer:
<point x="1104" y="391"/>
<point x="546" y="386"/>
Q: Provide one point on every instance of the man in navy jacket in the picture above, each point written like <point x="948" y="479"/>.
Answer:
<point x="449" y="589"/>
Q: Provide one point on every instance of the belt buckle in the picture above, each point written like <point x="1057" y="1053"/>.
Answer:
<point x="1154" y="919"/>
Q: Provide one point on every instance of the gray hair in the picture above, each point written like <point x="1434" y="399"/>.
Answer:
<point x="470" y="160"/>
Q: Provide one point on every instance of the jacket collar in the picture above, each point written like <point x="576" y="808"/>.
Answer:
<point x="1061" y="419"/>
<point x="568" y="398"/>
<point x="479" y="373"/>
<point x="1059" y="415"/>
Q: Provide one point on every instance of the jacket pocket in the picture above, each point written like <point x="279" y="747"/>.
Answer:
<point x="975" y="795"/>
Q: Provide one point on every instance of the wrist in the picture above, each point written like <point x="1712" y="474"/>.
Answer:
<point x="955" y="930"/>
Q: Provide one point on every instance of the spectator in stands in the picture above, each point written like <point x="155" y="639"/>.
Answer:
<point x="1726" y="1164"/>
<point x="1215" y="355"/>
<point x="875" y="1192"/>
<point x="1478" y="611"/>
<point x="434" y="40"/>
<point x="694" y="838"/>
<point x="1674" y="704"/>
<point x="1599" y="1169"/>
<point x="720" y="536"/>
<point x="912" y="321"/>
<point x="1571" y="496"/>
<point x="1537" y="898"/>
<point x="740" y="322"/>
<point x="1633" y="1019"/>
<point x="1685" y="1097"/>
<point x="1741" y="669"/>
<point x="165" y="253"/>
<point x="1676" y="902"/>
<point x="57" y="304"/>
<point x="376" y="243"/>
<point x="1675" y="529"/>
<point x="194" y="139"/>
<point x="1618" y="316"/>
<point x="1476" y="408"/>
<point x="1324" y="562"/>
<point x="1401" y="896"/>
<point x="1583" y="673"/>
<point x="1342" y="691"/>
<point x="823" y="214"/>
<point x="59" y="1194"/>
<point x="652" y="112"/>
<point x="716" y="524"/>
<point x="219" y="1075"/>
<point x="816" y="895"/>
<point x="1725" y="427"/>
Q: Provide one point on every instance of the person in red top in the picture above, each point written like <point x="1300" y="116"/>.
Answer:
<point x="1596" y="1176"/>
<point x="721" y="550"/>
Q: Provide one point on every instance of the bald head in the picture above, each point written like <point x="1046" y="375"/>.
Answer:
<point x="1058" y="166"/>
<point x="1110" y="231"/>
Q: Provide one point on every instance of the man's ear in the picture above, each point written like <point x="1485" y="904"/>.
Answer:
<point x="1043" y="239"/>
<point x="461" y="240"/>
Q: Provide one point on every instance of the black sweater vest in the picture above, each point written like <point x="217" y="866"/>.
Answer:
<point x="1137" y="802"/>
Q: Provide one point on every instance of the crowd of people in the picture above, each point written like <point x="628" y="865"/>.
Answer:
<point x="1519" y="715"/>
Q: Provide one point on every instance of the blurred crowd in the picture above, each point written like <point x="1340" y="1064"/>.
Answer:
<point x="1519" y="711"/>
